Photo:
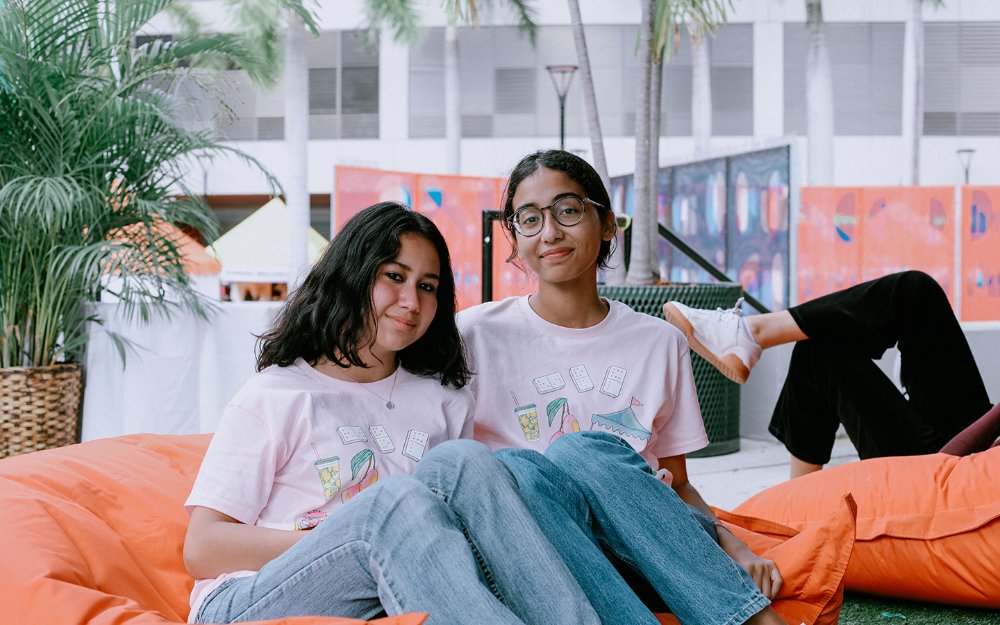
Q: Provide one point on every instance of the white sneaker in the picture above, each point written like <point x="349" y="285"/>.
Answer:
<point x="719" y="336"/>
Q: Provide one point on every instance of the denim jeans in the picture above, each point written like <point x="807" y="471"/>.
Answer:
<point x="602" y="507"/>
<point x="454" y="540"/>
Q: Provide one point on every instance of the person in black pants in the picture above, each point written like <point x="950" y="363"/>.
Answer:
<point x="832" y="380"/>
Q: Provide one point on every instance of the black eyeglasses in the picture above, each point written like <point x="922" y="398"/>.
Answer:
<point x="567" y="211"/>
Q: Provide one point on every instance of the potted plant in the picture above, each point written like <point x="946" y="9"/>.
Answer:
<point x="92" y="163"/>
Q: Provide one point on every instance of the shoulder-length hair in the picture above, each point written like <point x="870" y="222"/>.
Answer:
<point x="331" y="314"/>
<point x="577" y="170"/>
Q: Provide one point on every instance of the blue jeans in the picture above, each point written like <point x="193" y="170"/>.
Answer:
<point x="603" y="509"/>
<point x="454" y="540"/>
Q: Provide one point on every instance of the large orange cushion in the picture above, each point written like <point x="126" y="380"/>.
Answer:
<point x="812" y="561"/>
<point x="928" y="527"/>
<point x="93" y="534"/>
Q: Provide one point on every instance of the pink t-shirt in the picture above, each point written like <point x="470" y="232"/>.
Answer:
<point x="629" y="375"/>
<point x="294" y="444"/>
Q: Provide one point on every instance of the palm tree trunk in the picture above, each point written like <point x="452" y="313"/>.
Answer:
<point x="616" y="264"/>
<point x="589" y="95"/>
<point x="655" y="116"/>
<point x="640" y="268"/>
<point x="452" y="100"/>
<point x="819" y="97"/>
<point x="297" y="145"/>
<point x="701" y="93"/>
<point x="913" y="93"/>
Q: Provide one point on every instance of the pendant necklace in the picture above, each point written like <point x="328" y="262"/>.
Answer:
<point x="387" y="400"/>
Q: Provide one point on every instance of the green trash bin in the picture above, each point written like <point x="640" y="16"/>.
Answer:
<point x="719" y="396"/>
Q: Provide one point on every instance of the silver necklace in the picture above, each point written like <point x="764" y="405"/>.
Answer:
<point x="388" y="401"/>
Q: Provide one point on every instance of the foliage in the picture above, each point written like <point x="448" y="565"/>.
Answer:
<point x="92" y="164"/>
<point x="701" y="17"/>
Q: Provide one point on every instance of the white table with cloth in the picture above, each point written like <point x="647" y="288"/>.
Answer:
<point x="180" y="375"/>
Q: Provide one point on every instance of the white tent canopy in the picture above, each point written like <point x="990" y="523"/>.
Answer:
<point x="257" y="248"/>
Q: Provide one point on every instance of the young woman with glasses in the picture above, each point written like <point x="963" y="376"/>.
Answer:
<point x="593" y="407"/>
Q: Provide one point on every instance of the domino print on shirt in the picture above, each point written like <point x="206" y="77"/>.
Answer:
<point x="351" y="434"/>
<point x="614" y="379"/>
<point x="581" y="379"/>
<point x="382" y="439"/>
<point x="415" y="445"/>
<point x="549" y="383"/>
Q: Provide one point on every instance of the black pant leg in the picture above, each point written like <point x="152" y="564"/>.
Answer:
<point x="828" y="384"/>
<point x="910" y="309"/>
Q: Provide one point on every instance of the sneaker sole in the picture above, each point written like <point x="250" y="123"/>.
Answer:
<point x="728" y="365"/>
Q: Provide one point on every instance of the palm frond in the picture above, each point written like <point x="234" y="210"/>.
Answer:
<point x="90" y="149"/>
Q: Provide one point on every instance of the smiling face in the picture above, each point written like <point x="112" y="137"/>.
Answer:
<point x="404" y="296"/>
<point x="559" y="254"/>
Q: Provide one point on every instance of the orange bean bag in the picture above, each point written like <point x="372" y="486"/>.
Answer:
<point x="93" y="534"/>
<point x="928" y="527"/>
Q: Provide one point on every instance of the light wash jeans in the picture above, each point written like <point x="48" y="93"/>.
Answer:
<point x="602" y="507"/>
<point x="454" y="540"/>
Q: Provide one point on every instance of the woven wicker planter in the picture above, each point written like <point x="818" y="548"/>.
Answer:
<point x="39" y="407"/>
<point x="719" y="398"/>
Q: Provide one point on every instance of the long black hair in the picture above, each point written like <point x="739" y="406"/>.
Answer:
<point x="332" y="314"/>
<point x="578" y="170"/>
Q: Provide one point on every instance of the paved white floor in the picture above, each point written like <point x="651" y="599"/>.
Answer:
<point x="727" y="481"/>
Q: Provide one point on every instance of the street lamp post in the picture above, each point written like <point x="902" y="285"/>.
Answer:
<point x="965" y="158"/>
<point x="562" y="76"/>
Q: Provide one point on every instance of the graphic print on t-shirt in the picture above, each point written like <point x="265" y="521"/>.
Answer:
<point x="351" y="434"/>
<point x="581" y="379"/>
<point x="549" y="383"/>
<point x="310" y="520"/>
<point x="382" y="439"/>
<point x="614" y="379"/>
<point x="527" y="418"/>
<point x="415" y="445"/>
<point x="623" y="424"/>
<point x="559" y="409"/>
<point x="363" y="465"/>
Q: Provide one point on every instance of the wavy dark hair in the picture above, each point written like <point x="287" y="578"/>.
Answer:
<point x="331" y="313"/>
<point x="578" y="170"/>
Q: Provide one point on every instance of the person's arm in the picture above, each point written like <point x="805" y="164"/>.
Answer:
<point x="217" y="543"/>
<point x="763" y="571"/>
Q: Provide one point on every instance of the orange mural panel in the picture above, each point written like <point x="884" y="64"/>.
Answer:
<point x="829" y="248"/>
<point x="908" y="228"/>
<point x="509" y="278"/>
<point x="456" y="204"/>
<point x="357" y="188"/>
<point x="980" y="262"/>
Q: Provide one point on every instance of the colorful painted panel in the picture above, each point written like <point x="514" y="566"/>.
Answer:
<point x="453" y="203"/>
<point x="980" y="262"/>
<point x="829" y="241"/>
<point x="848" y="235"/>
<point x="698" y="216"/>
<point x="908" y="228"/>
<point x="356" y="188"/>
<point x="757" y="223"/>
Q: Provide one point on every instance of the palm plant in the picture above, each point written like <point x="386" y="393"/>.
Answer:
<point x="658" y="32"/>
<point x="92" y="164"/>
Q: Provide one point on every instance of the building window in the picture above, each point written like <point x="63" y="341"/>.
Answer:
<point x="512" y="95"/>
<point x="961" y="92"/>
<point x="343" y="95"/>
<point x="867" y="65"/>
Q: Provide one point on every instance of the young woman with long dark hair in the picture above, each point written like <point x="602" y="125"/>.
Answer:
<point x="332" y="486"/>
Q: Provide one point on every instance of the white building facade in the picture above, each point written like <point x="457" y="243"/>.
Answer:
<point x="382" y="105"/>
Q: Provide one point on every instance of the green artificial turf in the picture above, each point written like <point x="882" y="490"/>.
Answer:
<point x="867" y="610"/>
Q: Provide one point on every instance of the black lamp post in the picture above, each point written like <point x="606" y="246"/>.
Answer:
<point x="562" y="76"/>
<point x="965" y="158"/>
